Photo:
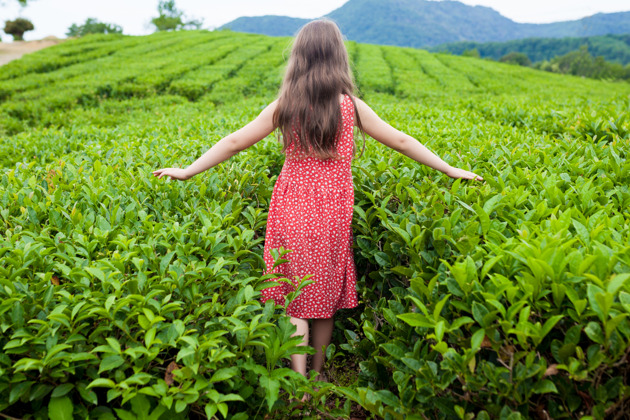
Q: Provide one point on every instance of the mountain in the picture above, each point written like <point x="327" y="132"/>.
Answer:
<point x="424" y="23"/>
<point x="267" y="25"/>
<point x="615" y="48"/>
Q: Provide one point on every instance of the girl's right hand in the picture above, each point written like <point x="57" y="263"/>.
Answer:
<point x="461" y="173"/>
<point x="173" y="173"/>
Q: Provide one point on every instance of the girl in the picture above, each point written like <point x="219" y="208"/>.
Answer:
<point x="311" y="206"/>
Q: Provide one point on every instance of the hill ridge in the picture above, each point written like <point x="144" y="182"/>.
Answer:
<point x="423" y="23"/>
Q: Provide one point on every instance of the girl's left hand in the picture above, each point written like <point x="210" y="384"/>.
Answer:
<point x="462" y="173"/>
<point x="174" y="173"/>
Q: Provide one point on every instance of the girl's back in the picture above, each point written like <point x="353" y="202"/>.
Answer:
<point x="312" y="172"/>
<point x="310" y="213"/>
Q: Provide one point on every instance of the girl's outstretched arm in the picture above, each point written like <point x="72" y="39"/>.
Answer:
<point x="227" y="147"/>
<point x="378" y="129"/>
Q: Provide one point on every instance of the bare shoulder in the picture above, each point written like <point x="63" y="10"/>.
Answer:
<point x="365" y="112"/>
<point x="267" y="113"/>
<point x="271" y="107"/>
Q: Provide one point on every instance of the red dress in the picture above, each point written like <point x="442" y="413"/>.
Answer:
<point x="311" y="213"/>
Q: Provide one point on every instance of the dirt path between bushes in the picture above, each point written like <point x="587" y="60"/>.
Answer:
<point x="10" y="51"/>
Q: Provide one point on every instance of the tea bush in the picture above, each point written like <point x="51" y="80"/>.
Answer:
<point x="128" y="297"/>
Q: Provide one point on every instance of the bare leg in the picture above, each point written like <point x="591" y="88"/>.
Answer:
<point x="322" y="333"/>
<point x="298" y="361"/>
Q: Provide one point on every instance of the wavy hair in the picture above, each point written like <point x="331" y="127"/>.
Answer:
<point x="308" y="113"/>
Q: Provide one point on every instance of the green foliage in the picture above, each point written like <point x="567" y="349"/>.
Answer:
<point x="517" y="58"/>
<point x="17" y="27"/>
<point x="615" y="48"/>
<point x="124" y="296"/>
<point x="93" y="26"/>
<point x="171" y="19"/>
<point x="582" y="63"/>
<point x="471" y="53"/>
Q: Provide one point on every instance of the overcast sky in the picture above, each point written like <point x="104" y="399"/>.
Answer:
<point x="53" y="17"/>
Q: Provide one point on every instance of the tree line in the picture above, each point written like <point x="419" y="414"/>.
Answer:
<point x="578" y="63"/>
<point x="615" y="48"/>
<point x="169" y="18"/>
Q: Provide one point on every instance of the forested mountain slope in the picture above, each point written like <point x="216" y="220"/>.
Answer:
<point x="615" y="48"/>
<point x="424" y="23"/>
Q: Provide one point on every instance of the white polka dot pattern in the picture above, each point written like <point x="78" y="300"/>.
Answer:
<point x="311" y="213"/>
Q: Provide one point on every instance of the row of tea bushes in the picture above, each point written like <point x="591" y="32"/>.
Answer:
<point x="124" y="296"/>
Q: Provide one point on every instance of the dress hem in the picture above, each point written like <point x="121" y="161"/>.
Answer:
<point x="321" y="315"/>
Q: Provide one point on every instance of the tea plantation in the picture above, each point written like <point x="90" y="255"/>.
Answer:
<point x="124" y="296"/>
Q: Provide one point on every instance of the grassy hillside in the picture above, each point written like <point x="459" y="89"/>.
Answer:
<point x="615" y="48"/>
<point x="425" y="23"/>
<point x="124" y="296"/>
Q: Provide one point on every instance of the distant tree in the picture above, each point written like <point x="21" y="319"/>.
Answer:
<point x="93" y="26"/>
<point x="472" y="53"/>
<point x="22" y="3"/>
<point x="582" y="63"/>
<point x="17" y="28"/>
<point x="518" y="58"/>
<point x="172" y="19"/>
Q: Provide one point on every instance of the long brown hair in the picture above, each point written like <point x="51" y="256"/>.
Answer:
<point x="308" y="111"/>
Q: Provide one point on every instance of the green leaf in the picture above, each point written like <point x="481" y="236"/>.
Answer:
<point x="592" y="291"/>
<point x="141" y="406"/>
<point x="403" y="271"/>
<point x="382" y="259"/>
<point x="60" y="409"/>
<point x="549" y="324"/>
<point x="484" y="219"/>
<point x="102" y="383"/>
<point x="211" y="410"/>
<point x="461" y="321"/>
<point x="180" y="405"/>
<point x="594" y="331"/>
<point x="87" y="394"/>
<point x="19" y="390"/>
<point x="165" y="261"/>
<point x="440" y="328"/>
<point x="624" y="298"/>
<point x="617" y="282"/>
<point x="223" y="409"/>
<point x="545" y="387"/>
<point x="477" y="339"/>
<point x="416" y="320"/>
<point x="491" y="204"/>
<point x="110" y="362"/>
<point x="61" y="390"/>
<point x="272" y="389"/>
<point x="39" y="391"/>
<point x="489" y="264"/>
<point x="96" y="273"/>
<point x="582" y="232"/>
<point x="223" y="374"/>
<point x="479" y="312"/>
<point x="439" y="306"/>
<point x="394" y="350"/>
